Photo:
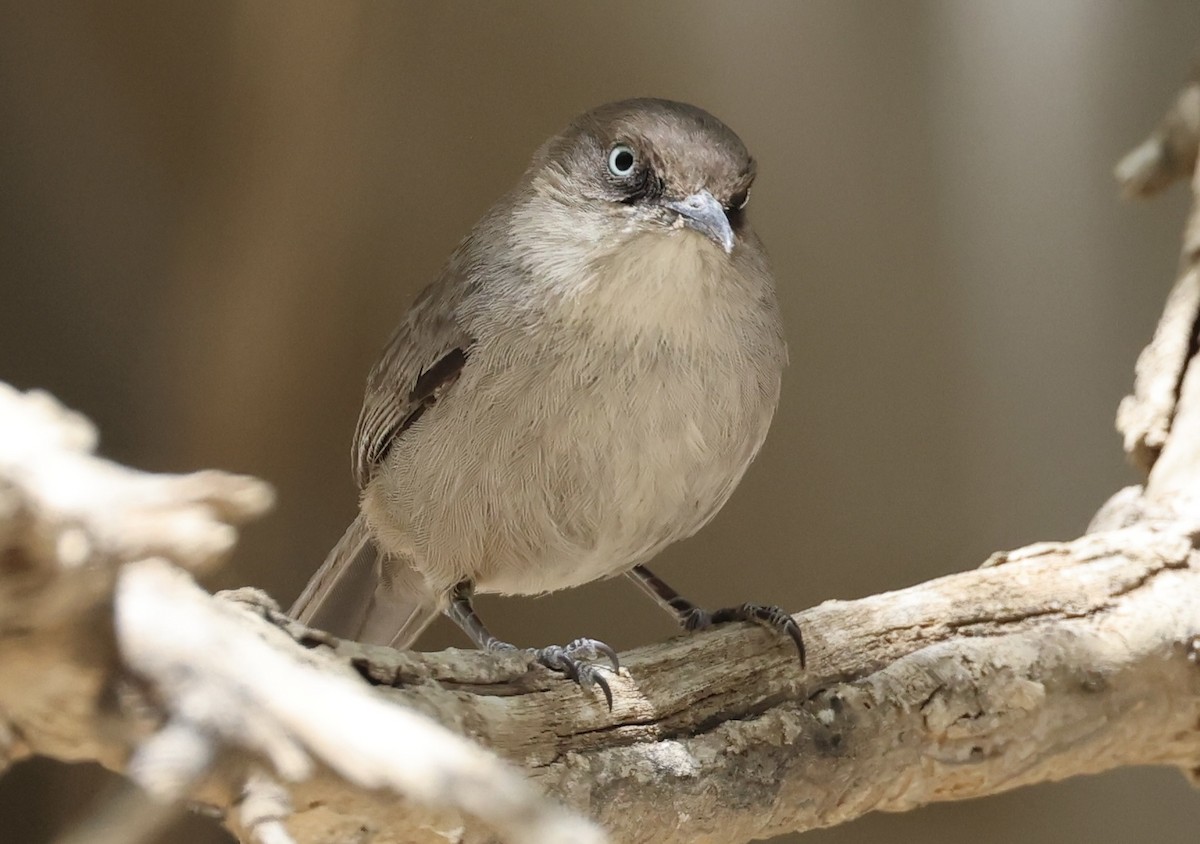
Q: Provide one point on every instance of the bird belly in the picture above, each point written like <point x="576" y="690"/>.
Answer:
<point x="528" y="479"/>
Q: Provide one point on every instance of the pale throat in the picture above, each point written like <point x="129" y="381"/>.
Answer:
<point x="660" y="282"/>
<point x="669" y="279"/>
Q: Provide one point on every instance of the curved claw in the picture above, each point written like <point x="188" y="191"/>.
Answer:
<point x="791" y="628"/>
<point x="781" y="620"/>
<point x="601" y="681"/>
<point x="612" y="658"/>
<point x="768" y="616"/>
<point x="566" y="660"/>
<point x="593" y="649"/>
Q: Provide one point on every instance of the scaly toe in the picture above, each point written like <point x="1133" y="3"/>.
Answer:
<point x="566" y="661"/>
<point x="780" y="620"/>
<point x="768" y="616"/>
<point x="593" y="649"/>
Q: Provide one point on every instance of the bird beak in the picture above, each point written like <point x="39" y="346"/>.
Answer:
<point x="702" y="212"/>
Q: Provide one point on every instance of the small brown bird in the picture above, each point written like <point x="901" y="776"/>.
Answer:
<point x="584" y="384"/>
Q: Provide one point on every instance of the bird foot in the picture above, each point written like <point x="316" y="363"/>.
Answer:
<point x="574" y="660"/>
<point x="767" y="616"/>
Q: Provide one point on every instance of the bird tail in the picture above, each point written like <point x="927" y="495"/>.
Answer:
<point x="361" y="594"/>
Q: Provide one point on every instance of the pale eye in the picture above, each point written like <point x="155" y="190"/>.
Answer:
<point x="621" y="161"/>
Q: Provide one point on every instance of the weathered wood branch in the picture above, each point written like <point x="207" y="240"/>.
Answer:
<point x="1054" y="660"/>
<point x="1167" y="156"/>
<point x="1066" y="659"/>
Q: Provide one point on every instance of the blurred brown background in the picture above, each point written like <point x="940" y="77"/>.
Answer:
<point x="211" y="215"/>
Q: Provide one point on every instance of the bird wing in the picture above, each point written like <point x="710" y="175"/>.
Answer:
<point x="359" y="591"/>
<point x="423" y="359"/>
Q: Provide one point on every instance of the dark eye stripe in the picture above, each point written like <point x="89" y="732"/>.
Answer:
<point x="648" y="187"/>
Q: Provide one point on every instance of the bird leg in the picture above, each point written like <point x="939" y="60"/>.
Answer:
<point x="571" y="659"/>
<point x="692" y="617"/>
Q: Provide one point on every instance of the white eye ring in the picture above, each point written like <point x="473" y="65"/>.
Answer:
<point x="745" y="201"/>
<point x="621" y="161"/>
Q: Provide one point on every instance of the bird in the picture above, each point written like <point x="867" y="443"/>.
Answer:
<point x="585" y="382"/>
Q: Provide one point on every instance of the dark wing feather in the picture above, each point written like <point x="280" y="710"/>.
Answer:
<point x="422" y="360"/>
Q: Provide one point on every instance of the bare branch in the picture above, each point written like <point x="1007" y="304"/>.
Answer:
<point x="289" y="706"/>
<point x="1037" y="667"/>
<point x="1169" y="154"/>
<point x="1145" y="418"/>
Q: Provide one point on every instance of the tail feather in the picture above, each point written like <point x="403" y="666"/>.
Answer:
<point x="360" y="594"/>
